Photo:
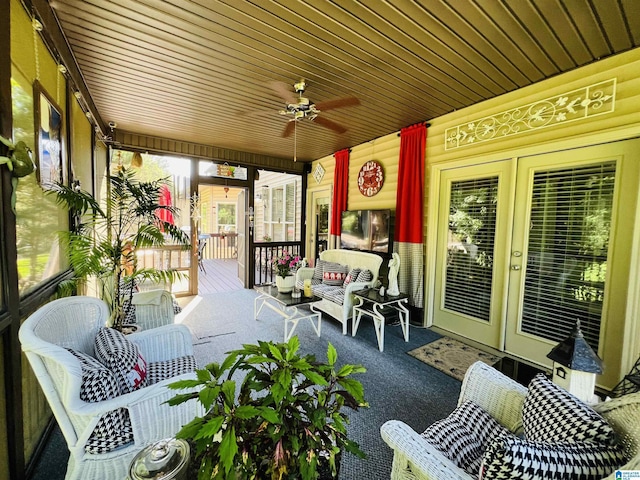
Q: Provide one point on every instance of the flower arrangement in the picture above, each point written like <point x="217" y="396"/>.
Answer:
<point x="285" y="263"/>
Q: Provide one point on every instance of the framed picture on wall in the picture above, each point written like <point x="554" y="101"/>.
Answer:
<point x="49" y="134"/>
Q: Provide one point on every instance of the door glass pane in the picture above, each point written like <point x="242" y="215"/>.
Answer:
<point x="567" y="251"/>
<point x="470" y="244"/>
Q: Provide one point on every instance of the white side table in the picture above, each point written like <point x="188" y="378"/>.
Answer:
<point x="371" y="303"/>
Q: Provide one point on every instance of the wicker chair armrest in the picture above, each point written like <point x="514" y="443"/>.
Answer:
<point x="623" y="414"/>
<point x="164" y="343"/>
<point x="355" y="286"/>
<point x="152" y="395"/>
<point x="152" y="316"/>
<point x="412" y="451"/>
<point x="304" y="273"/>
<point x="500" y="396"/>
<point x="151" y="417"/>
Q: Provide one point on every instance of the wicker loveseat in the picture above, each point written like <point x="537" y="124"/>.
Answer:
<point x="503" y="399"/>
<point x="339" y="301"/>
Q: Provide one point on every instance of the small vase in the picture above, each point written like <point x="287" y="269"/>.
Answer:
<point x="285" y="284"/>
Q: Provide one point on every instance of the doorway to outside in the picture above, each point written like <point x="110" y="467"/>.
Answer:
<point x="220" y="239"/>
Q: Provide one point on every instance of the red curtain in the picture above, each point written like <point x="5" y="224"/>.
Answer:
<point x="409" y="212"/>
<point x="340" y="189"/>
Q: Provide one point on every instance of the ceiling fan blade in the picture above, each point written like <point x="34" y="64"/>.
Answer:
<point x="288" y="130"/>
<point x="337" y="103"/>
<point x="285" y="91"/>
<point x="330" y="124"/>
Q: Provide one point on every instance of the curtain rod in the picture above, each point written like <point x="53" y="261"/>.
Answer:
<point x="426" y="124"/>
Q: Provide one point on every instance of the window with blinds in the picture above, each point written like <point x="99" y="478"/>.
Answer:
<point x="567" y="251"/>
<point x="470" y="246"/>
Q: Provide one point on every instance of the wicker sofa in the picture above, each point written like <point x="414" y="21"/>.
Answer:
<point x="503" y="399"/>
<point x="340" y="306"/>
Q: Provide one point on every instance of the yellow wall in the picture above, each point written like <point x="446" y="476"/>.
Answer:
<point x="81" y="153"/>
<point x="623" y="123"/>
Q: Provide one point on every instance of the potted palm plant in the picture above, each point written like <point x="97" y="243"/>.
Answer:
<point x="286" y="422"/>
<point x="103" y="240"/>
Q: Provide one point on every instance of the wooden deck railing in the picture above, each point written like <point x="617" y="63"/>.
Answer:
<point x="219" y="245"/>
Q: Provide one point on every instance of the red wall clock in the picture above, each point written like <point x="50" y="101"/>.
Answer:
<point x="370" y="178"/>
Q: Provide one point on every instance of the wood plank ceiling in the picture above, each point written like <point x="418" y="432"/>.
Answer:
<point x="203" y="71"/>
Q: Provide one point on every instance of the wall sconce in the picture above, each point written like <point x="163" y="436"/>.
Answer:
<point x="575" y="366"/>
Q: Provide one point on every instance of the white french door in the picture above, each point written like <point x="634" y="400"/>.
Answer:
<point x="517" y="279"/>
<point x="473" y="223"/>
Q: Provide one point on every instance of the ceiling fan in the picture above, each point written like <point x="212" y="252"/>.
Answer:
<point x="300" y="108"/>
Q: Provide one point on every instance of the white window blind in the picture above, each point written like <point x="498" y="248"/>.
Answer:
<point x="472" y="226"/>
<point x="567" y="251"/>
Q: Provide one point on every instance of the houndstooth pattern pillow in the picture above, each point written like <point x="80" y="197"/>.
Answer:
<point x="123" y="358"/>
<point x="158" y="371"/>
<point x="113" y="430"/>
<point x="551" y="414"/>
<point x="511" y="457"/>
<point x="463" y="436"/>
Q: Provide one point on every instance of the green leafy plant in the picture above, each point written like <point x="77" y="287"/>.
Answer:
<point x="19" y="162"/>
<point x="104" y="239"/>
<point x="285" y="423"/>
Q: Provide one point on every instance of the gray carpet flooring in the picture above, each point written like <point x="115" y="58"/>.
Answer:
<point x="397" y="386"/>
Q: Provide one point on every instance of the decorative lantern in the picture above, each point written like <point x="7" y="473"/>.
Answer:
<point x="575" y="366"/>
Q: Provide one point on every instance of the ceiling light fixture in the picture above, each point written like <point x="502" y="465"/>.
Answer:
<point x="136" y="160"/>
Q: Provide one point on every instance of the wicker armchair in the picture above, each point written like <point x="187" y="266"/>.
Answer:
<point x="413" y="458"/>
<point x="155" y="314"/>
<point x="73" y="323"/>
<point x="503" y="399"/>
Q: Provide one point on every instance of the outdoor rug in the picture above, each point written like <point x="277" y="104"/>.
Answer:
<point x="451" y="356"/>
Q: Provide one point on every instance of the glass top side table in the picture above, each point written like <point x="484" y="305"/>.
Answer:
<point x="377" y="306"/>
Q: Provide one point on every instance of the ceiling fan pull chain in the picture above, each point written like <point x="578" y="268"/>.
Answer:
<point x="295" y="140"/>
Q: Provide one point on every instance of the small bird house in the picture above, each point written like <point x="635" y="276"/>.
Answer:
<point x="575" y="365"/>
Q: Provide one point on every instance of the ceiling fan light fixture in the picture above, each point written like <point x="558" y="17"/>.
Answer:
<point x="303" y="108"/>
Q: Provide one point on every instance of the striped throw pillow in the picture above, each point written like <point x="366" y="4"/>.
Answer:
<point x="334" y="274"/>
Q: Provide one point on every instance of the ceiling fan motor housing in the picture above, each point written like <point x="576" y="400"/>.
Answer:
<point x="300" y="87"/>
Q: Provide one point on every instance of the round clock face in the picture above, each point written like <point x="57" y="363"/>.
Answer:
<point x="370" y="178"/>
